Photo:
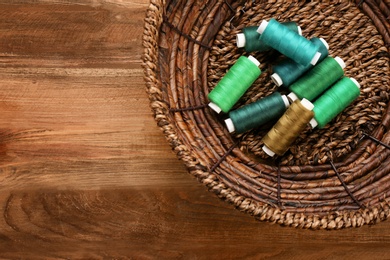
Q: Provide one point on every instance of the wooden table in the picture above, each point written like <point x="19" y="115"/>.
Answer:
<point x="85" y="171"/>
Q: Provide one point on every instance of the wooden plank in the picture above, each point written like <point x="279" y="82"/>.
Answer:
<point x="78" y="122"/>
<point x="164" y="223"/>
<point x="73" y="100"/>
<point x="73" y="35"/>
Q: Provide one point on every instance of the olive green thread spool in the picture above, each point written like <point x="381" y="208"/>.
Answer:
<point x="314" y="82"/>
<point x="334" y="101"/>
<point x="234" y="84"/>
<point x="249" y="39"/>
<point x="288" y="71"/>
<point x="279" y="139"/>
<point x="288" y="42"/>
<point x="258" y="113"/>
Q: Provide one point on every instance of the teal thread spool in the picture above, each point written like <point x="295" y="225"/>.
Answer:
<point x="288" y="71"/>
<point x="318" y="79"/>
<point x="334" y="101"/>
<point x="288" y="42"/>
<point x="249" y="39"/>
<point x="234" y="84"/>
<point x="257" y="113"/>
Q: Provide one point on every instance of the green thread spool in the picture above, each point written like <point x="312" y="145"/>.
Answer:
<point x="279" y="139"/>
<point x="257" y="113"/>
<point x="318" y="79"/>
<point x="288" y="71"/>
<point x="288" y="42"/>
<point x="234" y="84"/>
<point x="334" y="101"/>
<point x="249" y="39"/>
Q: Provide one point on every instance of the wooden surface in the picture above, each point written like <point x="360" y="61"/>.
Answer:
<point x="86" y="173"/>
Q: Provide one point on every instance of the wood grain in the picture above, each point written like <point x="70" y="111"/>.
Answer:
<point x="86" y="173"/>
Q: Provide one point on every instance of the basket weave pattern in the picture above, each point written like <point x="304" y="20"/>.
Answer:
<point x="189" y="46"/>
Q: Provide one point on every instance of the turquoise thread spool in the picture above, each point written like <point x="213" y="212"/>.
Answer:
<point x="334" y="101"/>
<point x="249" y="39"/>
<point x="257" y="113"/>
<point x="288" y="71"/>
<point x="234" y="84"/>
<point x="318" y="79"/>
<point x="288" y="42"/>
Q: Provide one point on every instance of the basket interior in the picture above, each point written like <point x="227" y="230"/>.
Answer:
<point x="352" y="37"/>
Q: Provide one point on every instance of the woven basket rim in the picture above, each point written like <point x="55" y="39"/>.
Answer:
<point x="262" y="211"/>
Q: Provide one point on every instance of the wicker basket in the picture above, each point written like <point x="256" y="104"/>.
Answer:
<point x="330" y="178"/>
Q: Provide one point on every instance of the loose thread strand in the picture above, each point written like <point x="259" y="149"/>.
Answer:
<point x="230" y="6"/>
<point x="242" y="11"/>
<point x="279" y="187"/>
<point x="174" y="110"/>
<point x="345" y="185"/>
<point x="165" y="19"/>
<point x="212" y="169"/>
<point x="376" y="140"/>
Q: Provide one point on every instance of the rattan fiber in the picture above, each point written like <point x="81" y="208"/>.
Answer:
<point x="331" y="178"/>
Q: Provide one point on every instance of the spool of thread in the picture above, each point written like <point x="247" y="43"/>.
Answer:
<point x="334" y="101"/>
<point x="234" y="84"/>
<point x="288" y="71"/>
<point x="249" y="39"/>
<point x="288" y="42"/>
<point x="318" y="79"/>
<point x="287" y="129"/>
<point x="257" y="113"/>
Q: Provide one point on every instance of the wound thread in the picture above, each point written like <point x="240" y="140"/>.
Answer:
<point x="250" y="38"/>
<point x="279" y="139"/>
<point x="234" y="84"/>
<point x="334" y="101"/>
<point x="288" y="71"/>
<point x="288" y="42"/>
<point x="257" y="113"/>
<point x="318" y="79"/>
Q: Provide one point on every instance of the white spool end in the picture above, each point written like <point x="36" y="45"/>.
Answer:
<point x="254" y="60"/>
<point x="268" y="151"/>
<point x="313" y="123"/>
<point x="340" y="62"/>
<point x="230" y="125"/>
<point x="262" y="26"/>
<point x="356" y="83"/>
<point x="241" y="40"/>
<point x="325" y="43"/>
<point x="316" y="58"/>
<point x="299" y="30"/>
<point x="215" y="107"/>
<point x="285" y="100"/>
<point x="277" y="79"/>
<point x="307" y="104"/>
<point x="292" y="96"/>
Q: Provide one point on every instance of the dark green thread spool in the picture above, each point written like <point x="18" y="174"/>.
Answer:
<point x="258" y="113"/>
<point x="288" y="71"/>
